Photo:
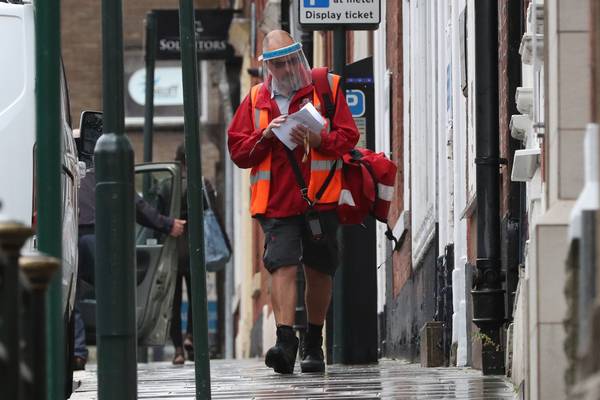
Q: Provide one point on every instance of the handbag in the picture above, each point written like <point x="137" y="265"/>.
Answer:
<point x="217" y="250"/>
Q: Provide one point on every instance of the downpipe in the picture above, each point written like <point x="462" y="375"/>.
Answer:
<point x="488" y="294"/>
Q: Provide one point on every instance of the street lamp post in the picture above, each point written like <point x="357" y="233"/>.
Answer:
<point x="193" y="158"/>
<point x="149" y="103"/>
<point x="115" y="247"/>
<point x="48" y="162"/>
<point x="339" y="62"/>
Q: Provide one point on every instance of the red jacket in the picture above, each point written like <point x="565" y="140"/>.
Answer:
<point x="246" y="151"/>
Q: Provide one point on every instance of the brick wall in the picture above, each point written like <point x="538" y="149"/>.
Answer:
<point x="82" y="55"/>
<point x="595" y="57"/>
<point x="402" y="265"/>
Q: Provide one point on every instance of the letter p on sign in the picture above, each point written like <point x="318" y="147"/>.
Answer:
<point x="316" y="3"/>
<point x="356" y="102"/>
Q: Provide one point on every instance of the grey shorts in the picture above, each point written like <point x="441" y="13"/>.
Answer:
<point x="287" y="242"/>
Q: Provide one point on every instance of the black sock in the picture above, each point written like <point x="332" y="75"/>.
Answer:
<point x="286" y="330"/>
<point x="314" y="330"/>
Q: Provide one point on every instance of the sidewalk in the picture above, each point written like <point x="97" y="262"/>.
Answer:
<point x="250" y="379"/>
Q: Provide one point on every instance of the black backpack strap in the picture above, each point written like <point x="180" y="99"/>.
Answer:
<point x="327" y="181"/>
<point x="320" y="78"/>
<point x="298" y="175"/>
<point x="302" y="184"/>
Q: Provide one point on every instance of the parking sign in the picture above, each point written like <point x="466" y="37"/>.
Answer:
<point x="351" y="14"/>
<point x="356" y="102"/>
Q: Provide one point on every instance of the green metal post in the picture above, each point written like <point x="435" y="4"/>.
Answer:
<point x="115" y="247"/>
<point x="339" y="62"/>
<point x="194" y="196"/>
<point x="47" y="47"/>
<point x="149" y="116"/>
<point x="149" y="103"/>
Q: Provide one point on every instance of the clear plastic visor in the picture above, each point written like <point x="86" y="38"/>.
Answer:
<point x="286" y="70"/>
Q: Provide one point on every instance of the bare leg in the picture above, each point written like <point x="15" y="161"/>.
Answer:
<point x="283" y="295"/>
<point x="282" y="356"/>
<point x="317" y="295"/>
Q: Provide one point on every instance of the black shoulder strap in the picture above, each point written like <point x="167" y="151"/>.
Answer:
<point x="320" y="78"/>
<point x="302" y="184"/>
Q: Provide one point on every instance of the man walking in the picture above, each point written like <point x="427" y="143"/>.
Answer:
<point x="294" y="193"/>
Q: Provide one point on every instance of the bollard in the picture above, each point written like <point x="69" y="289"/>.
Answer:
<point x="38" y="268"/>
<point x="12" y="237"/>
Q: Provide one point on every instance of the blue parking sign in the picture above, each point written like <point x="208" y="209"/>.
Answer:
<point x="356" y="102"/>
<point x="316" y="3"/>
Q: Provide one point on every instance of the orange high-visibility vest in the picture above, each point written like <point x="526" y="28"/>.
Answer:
<point x="320" y="165"/>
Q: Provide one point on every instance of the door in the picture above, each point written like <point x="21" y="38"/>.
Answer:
<point x="156" y="253"/>
<point x="69" y="182"/>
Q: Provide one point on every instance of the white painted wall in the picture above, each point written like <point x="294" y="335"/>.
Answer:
<point x="471" y="117"/>
<point x="407" y="100"/>
<point x="461" y="321"/>
<point x="382" y="140"/>
<point x="422" y="128"/>
<point x="443" y="198"/>
<point x="361" y="45"/>
<point x="436" y="143"/>
<point x="561" y="82"/>
<point x="242" y="248"/>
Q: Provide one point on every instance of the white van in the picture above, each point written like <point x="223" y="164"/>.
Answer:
<point x="18" y="139"/>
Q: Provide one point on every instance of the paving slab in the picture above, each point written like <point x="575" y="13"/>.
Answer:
<point x="251" y="379"/>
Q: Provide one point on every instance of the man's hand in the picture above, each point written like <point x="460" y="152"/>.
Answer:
<point x="276" y="123"/>
<point x="177" y="228"/>
<point x="303" y="136"/>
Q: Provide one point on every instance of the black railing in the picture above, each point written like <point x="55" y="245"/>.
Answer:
<point x="23" y="284"/>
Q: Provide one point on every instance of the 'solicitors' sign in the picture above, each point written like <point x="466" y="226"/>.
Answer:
<point x="352" y="14"/>
<point x="212" y="31"/>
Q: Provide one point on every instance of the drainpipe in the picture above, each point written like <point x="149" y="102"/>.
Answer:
<point x="488" y="295"/>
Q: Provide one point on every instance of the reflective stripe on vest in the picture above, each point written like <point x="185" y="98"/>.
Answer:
<point x="260" y="176"/>
<point x="323" y="165"/>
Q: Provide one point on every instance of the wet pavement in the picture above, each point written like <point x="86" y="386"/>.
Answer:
<point x="250" y="379"/>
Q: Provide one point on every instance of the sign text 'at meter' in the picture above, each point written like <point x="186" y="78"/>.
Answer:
<point x="352" y="14"/>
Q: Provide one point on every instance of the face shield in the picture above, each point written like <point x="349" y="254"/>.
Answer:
<point x="286" y="70"/>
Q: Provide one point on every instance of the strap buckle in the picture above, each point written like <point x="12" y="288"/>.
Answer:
<point x="304" y="195"/>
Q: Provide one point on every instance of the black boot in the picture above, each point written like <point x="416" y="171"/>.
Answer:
<point x="312" y="350"/>
<point x="282" y="356"/>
